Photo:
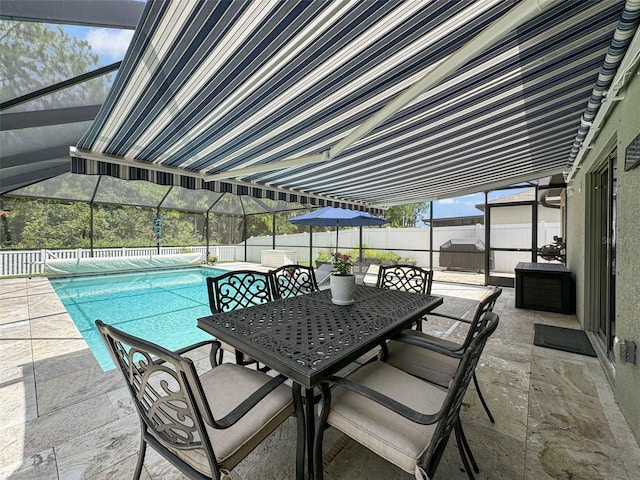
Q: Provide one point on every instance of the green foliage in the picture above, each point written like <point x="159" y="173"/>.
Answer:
<point x="49" y="224"/>
<point x="388" y="256"/>
<point x="261" y="224"/>
<point x="408" y="215"/>
<point x="35" y="55"/>
<point x="40" y="224"/>
<point x="325" y="255"/>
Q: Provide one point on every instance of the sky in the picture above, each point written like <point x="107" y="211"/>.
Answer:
<point x="465" y="206"/>
<point x="458" y="207"/>
<point x="108" y="43"/>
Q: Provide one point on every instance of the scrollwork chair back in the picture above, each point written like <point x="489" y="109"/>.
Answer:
<point x="239" y="289"/>
<point x="293" y="280"/>
<point x="405" y="277"/>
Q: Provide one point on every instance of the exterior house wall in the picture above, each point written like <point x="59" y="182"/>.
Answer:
<point x="621" y="127"/>
<point x="522" y="214"/>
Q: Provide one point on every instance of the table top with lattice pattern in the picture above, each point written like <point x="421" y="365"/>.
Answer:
<point x="309" y="338"/>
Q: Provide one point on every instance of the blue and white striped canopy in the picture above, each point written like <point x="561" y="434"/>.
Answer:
<point x="255" y="96"/>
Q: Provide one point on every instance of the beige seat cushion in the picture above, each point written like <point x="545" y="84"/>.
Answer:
<point x="422" y="362"/>
<point x="225" y="387"/>
<point x="440" y="341"/>
<point x="245" y="358"/>
<point x="384" y="432"/>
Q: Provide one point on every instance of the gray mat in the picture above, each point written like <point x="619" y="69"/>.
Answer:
<point x="560" y="338"/>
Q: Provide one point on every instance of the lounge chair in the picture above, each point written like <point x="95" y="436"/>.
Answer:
<point x="322" y="274"/>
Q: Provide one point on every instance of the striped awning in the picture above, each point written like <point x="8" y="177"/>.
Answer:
<point x="286" y="96"/>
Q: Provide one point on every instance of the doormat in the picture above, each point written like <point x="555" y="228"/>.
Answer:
<point x="560" y="338"/>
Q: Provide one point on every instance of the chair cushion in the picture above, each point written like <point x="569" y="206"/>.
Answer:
<point x="393" y="437"/>
<point x="422" y="362"/>
<point x="225" y="387"/>
<point x="441" y="341"/>
<point x="229" y="348"/>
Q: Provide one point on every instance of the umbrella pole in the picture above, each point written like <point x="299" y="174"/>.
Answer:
<point x="337" y="238"/>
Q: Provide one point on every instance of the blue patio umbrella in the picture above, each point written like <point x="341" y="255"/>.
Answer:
<point x="337" y="217"/>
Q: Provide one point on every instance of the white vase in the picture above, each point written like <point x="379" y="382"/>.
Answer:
<point x="343" y="289"/>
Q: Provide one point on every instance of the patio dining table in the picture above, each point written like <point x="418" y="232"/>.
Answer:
<point x="308" y="339"/>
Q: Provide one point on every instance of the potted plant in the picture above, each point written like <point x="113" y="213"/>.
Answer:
<point x="342" y="280"/>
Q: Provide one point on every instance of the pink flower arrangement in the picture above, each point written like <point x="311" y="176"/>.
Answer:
<point x="341" y="264"/>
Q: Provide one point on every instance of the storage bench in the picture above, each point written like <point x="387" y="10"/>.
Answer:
<point x="544" y="286"/>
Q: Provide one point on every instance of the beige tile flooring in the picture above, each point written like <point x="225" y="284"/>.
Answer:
<point x="61" y="417"/>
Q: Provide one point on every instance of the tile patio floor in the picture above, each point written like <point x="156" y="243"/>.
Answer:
<point x="61" y="417"/>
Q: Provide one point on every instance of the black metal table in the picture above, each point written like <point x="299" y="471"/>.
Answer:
<point x="308" y="338"/>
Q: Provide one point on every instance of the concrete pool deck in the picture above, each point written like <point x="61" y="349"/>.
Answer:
<point x="64" y="418"/>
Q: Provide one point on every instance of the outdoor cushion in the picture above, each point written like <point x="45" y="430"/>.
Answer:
<point x="423" y="363"/>
<point x="225" y="387"/>
<point x="391" y="436"/>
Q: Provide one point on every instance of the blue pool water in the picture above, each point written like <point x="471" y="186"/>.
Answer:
<point x="161" y="306"/>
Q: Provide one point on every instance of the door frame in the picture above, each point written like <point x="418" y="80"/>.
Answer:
<point x="509" y="281"/>
<point x="600" y="252"/>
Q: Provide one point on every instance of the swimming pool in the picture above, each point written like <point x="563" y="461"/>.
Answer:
<point x="161" y="306"/>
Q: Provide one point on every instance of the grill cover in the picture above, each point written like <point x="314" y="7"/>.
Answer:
<point x="464" y="254"/>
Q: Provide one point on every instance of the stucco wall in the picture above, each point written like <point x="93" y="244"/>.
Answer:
<point x="522" y="213"/>
<point x="622" y="126"/>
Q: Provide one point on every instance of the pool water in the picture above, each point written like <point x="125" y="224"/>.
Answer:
<point x="161" y="306"/>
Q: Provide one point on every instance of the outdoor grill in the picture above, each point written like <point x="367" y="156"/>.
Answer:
<point x="464" y="254"/>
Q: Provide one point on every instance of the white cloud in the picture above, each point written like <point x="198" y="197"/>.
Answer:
<point x="108" y="43"/>
<point x="448" y="200"/>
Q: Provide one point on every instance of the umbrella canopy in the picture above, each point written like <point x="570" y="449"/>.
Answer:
<point x="337" y="217"/>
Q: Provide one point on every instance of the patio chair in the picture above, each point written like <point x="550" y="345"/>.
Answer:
<point x="408" y="278"/>
<point x="202" y="424"/>
<point x="434" y="358"/>
<point x="322" y="274"/>
<point x="398" y="416"/>
<point x="238" y="289"/>
<point x="360" y="271"/>
<point x="293" y="280"/>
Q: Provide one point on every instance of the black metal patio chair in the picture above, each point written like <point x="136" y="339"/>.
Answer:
<point x="239" y="289"/>
<point x="398" y="416"/>
<point x="408" y="278"/>
<point x="202" y="424"/>
<point x="292" y="280"/>
<point x="436" y="359"/>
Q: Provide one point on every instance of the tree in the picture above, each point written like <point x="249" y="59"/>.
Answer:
<point x="407" y="215"/>
<point x="35" y="55"/>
